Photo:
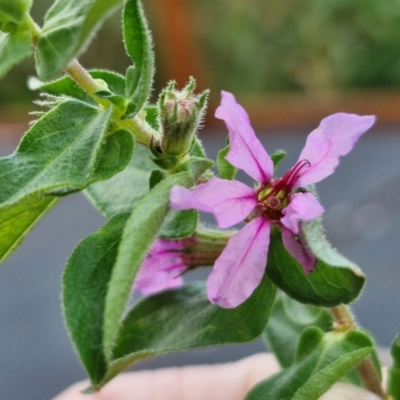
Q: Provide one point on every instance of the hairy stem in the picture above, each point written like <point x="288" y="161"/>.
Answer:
<point x="33" y="28"/>
<point x="344" y="321"/>
<point x="142" y="131"/>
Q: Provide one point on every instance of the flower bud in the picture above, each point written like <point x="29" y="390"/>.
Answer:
<point x="180" y="114"/>
<point x="12" y="11"/>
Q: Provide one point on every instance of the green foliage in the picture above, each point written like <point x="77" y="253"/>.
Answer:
<point x="138" y="44"/>
<point x="321" y="360"/>
<point x="69" y="25"/>
<point x="123" y="191"/>
<point x="16" y="221"/>
<point x="84" y="289"/>
<point x="154" y="325"/>
<point x="184" y="319"/>
<point x="66" y="86"/>
<point x="335" y="280"/>
<point x="225" y="169"/>
<point x="14" y="10"/>
<point x="140" y="231"/>
<point x="14" y="47"/>
<point x="156" y="177"/>
<point x="65" y="151"/>
<point x="287" y="322"/>
<point x="112" y="258"/>
<point x="179" y="224"/>
<point x="394" y="370"/>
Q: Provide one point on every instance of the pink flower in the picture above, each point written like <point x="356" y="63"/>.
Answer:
<point x="162" y="268"/>
<point x="274" y="202"/>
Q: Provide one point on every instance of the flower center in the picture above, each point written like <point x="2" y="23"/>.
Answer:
<point x="275" y="196"/>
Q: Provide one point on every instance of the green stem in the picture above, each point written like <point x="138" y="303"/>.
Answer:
<point x="85" y="81"/>
<point x="344" y="321"/>
<point x="142" y="131"/>
<point x="33" y="28"/>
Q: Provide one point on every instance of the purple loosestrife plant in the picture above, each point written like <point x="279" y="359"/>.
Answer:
<point x="284" y="202"/>
<point x="134" y="159"/>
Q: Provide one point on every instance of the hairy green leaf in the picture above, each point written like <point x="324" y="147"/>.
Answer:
<point x="65" y="151"/>
<point x="138" y="44"/>
<point x="335" y="280"/>
<point x="225" y="169"/>
<point x="140" y="231"/>
<point x="123" y="191"/>
<point x="68" y="27"/>
<point x="185" y="319"/>
<point x="14" y="47"/>
<point x="321" y="360"/>
<point x="179" y="224"/>
<point x="66" y="86"/>
<point x="17" y="220"/>
<point x="14" y="10"/>
<point x="287" y="322"/>
<point x="84" y="290"/>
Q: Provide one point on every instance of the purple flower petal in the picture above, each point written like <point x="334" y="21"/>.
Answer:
<point x="158" y="282"/>
<point x="297" y="248"/>
<point x="302" y="207"/>
<point x="239" y="269"/>
<point x="161" y="269"/>
<point x="335" y="137"/>
<point x="246" y="152"/>
<point x="230" y="201"/>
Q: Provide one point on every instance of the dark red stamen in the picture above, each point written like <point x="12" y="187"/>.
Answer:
<point x="286" y="183"/>
<point x="290" y="177"/>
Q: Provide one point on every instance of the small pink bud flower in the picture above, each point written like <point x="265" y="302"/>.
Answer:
<point x="180" y="114"/>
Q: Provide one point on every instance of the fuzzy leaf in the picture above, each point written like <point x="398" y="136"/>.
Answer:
<point x="66" y="86"/>
<point x="16" y="221"/>
<point x="335" y="280"/>
<point x="140" y="231"/>
<point x="196" y="166"/>
<point x="156" y="177"/>
<point x="179" y="224"/>
<point x="69" y="25"/>
<point x="322" y="359"/>
<point x="123" y="191"/>
<point x="84" y="290"/>
<point x="225" y="169"/>
<point x="14" y="10"/>
<point x="287" y="322"/>
<point x="65" y="151"/>
<point x="14" y="47"/>
<point x="197" y="149"/>
<point x="138" y="44"/>
<point x="185" y="319"/>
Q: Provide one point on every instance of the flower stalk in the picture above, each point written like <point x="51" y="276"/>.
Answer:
<point x="204" y="247"/>
<point x="343" y="322"/>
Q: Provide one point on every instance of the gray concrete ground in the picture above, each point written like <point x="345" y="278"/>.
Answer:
<point x="362" y="220"/>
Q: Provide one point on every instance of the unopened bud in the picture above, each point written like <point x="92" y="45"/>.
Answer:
<point x="12" y="11"/>
<point x="180" y="114"/>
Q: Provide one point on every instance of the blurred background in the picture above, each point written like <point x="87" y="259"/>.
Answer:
<point x="290" y="63"/>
